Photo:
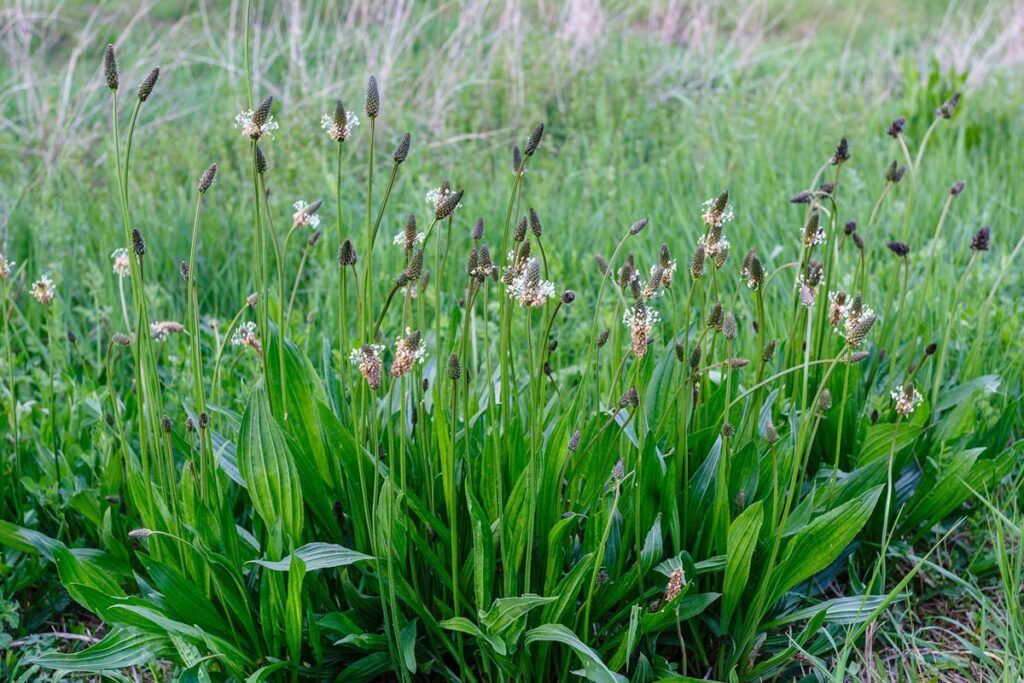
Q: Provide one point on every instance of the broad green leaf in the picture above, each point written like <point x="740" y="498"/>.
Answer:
<point x="743" y="533"/>
<point x="505" y="611"/>
<point x="120" y="649"/>
<point x="317" y="556"/>
<point x="939" y="493"/>
<point x="820" y="542"/>
<point x="847" y="610"/>
<point x="593" y="668"/>
<point x="652" y="548"/>
<point x="879" y="439"/>
<point x="267" y="467"/>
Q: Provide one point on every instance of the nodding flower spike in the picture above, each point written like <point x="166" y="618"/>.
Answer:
<point x="637" y="227"/>
<point x="842" y="154"/>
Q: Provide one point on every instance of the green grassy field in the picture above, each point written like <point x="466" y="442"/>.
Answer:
<point x="733" y="491"/>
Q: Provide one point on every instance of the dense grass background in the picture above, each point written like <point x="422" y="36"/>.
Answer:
<point x="650" y="109"/>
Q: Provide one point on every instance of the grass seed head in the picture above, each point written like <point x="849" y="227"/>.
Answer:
<point x="372" y="98"/>
<point x="261" y="161"/>
<point x="895" y="173"/>
<point x="850" y="227"/>
<point x="454" y="367"/>
<point x="401" y="152"/>
<point x="110" y="72"/>
<point x="347" y="254"/>
<point x="842" y="154"/>
<point x="138" y="243"/>
<point x="901" y="249"/>
<point x="957" y="188"/>
<point x="148" y="83"/>
<point x="535" y="226"/>
<point x="448" y="204"/>
<point x="982" y="239"/>
<point x="519" y="232"/>
<point x="207" y="178"/>
<point x="638" y="226"/>
<point x="533" y="142"/>
<point x="897" y="127"/>
<point x="948" y="107"/>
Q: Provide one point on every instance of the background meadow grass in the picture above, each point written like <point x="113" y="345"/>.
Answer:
<point x="650" y="108"/>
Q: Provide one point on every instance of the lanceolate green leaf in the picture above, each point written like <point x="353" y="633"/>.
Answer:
<point x="743" y="533"/>
<point x="317" y="556"/>
<point x="593" y="668"/>
<point x="267" y="467"/>
<point x="120" y="649"/>
<point x="820" y="542"/>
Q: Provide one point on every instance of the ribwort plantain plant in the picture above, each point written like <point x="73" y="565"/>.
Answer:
<point x="454" y="486"/>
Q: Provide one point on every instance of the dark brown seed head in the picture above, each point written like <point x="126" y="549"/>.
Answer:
<point x="664" y="256"/>
<point x="574" y="440"/>
<point x="957" y="188"/>
<point x="454" y="367"/>
<point x="568" y="296"/>
<point x="401" y="152"/>
<point x="415" y="268"/>
<point x="314" y="238"/>
<point x="533" y="142"/>
<point x="728" y="431"/>
<point x="138" y="243"/>
<point x="850" y="227"/>
<point x="729" y="326"/>
<point x="721" y="203"/>
<point x="517" y="159"/>
<point x="637" y="227"/>
<point x="121" y="339"/>
<point x="448" y="205"/>
<point x="897" y="127"/>
<point x="478" y="229"/>
<point x="340" y="118"/>
<point x="519" y="232"/>
<point x="602" y="264"/>
<point x="982" y="240"/>
<point x="602" y="337"/>
<point x="842" y="154"/>
<point x="768" y="352"/>
<point x="207" y="178"/>
<point x="714" y="320"/>
<point x="72" y="338"/>
<point x="948" y="107"/>
<point x="183" y="269"/>
<point x="165" y="424"/>
<point x="190" y="425"/>
<point x="630" y="398"/>
<point x="472" y="262"/>
<point x="770" y="434"/>
<point x="894" y="173"/>
<point x="858" y="241"/>
<point x="110" y="67"/>
<point x="261" y="161"/>
<point x="680" y="350"/>
<point x="347" y="254"/>
<point x="372" y="98"/>
<point x="901" y="249"/>
<point x="824" y="400"/>
<point x="547" y="368"/>
<point x="697" y="262"/>
<point x="410" y="231"/>
<point x="535" y="226"/>
<point x="146" y="87"/>
<point x="695" y="358"/>
<point x="802" y="197"/>
<point x="262" y="113"/>
<point x="931" y="349"/>
<point x="861" y="329"/>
